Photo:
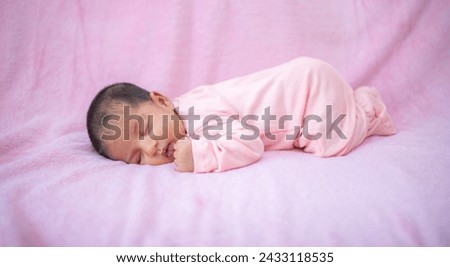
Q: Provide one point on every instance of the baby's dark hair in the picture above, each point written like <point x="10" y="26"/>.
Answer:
<point x="101" y="106"/>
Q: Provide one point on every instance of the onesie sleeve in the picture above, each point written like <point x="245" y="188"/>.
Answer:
<point x="233" y="148"/>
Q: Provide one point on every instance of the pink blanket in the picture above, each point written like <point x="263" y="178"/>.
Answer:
<point x="55" y="191"/>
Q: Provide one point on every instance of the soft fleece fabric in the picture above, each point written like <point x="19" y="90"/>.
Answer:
<point x="240" y="118"/>
<point x="56" y="191"/>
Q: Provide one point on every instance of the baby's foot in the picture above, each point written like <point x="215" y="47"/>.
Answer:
<point x="379" y="119"/>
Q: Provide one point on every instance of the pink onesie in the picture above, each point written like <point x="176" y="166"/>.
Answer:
<point x="302" y="104"/>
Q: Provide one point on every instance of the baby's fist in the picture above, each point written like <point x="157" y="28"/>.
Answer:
<point x="184" y="161"/>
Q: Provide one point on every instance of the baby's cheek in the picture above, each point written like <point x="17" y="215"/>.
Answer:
<point x="159" y="132"/>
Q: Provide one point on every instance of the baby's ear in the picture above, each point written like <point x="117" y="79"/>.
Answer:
<point x="160" y="99"/>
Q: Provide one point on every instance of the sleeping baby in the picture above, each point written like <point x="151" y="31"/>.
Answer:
<point x="302" y="104"/>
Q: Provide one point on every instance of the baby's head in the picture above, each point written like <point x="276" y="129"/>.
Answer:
<point x="128" y="123"/>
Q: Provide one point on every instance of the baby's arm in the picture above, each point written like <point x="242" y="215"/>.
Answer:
<point x="240" y="148"/>
<point x="184" y="161"/>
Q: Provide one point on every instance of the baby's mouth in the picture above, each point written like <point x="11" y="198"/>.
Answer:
<point x="168" y="150"/>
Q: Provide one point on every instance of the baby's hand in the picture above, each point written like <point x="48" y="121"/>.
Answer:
<point x="184" y="161"/>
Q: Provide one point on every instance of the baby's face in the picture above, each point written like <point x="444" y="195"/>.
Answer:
<point x="148" y="132"/>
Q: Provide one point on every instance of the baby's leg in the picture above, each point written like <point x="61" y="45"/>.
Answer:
<point x="340" y="117"/>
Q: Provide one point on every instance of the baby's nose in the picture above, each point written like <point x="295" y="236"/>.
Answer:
<point x="160" y="150"/>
